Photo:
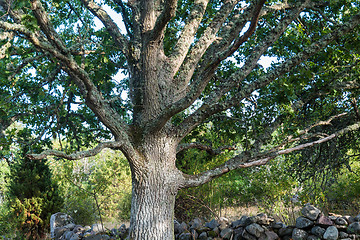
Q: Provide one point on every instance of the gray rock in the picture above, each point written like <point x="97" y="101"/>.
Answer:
<point x="310" y="212"/>
<point x="185" y="236"/>
<point x="255" y="229"/>
<point x="196" y="223"/>
<point x="269" y="235"/>
<point x="324" y="221"/>
<point x="236" y="224"/>
<point x="180" y="228"/>
<point x="302" y="222"/>
<point x="357" y="218"/>
<point x="242" y="222"/>
<point x="341" y="221"/>
<point x="203" y="236"/>
<point x="313" y="237"/>
<point x="318" y="231"/>
<point x="227" y="233"/>
<point x="97" y="237"/>
<point x="59" y="220"/>
<point x="238" y="230"/>
<point x="212" y="224"/>
<point x="354" y="228"/>
<point x="75" y="237"/>
<point x="331" y="233"/>
<point x="299" y="234"/>
<point x="278" y="225"/>
<point x="238" y="236"/>
<point x="285" y="231"/>
<point x="250" y="220"/>
<point x="68" y="234"/>
<point x="70" y="226"/>
<point x="58" y="232"/>
<point x="248" y="236"/>
<point x="343" y="235"/>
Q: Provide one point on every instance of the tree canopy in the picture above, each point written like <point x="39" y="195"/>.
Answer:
<point x="183" y="65"/>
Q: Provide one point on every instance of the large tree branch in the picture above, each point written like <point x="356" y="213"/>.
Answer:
<point x="46" y="26"/>
<point x="110" y="25"/>
<point x="211" y="106"/>
<point x="77" y="155"/>
<point x="187" y="35"/>
<point x="248" y="160"/>
<point x="201" y="146"/>
<point x="161" y="22"/>
<point x="190" y="59"/>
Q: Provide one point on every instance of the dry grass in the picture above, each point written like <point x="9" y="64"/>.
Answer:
<point x="283" y="214"/>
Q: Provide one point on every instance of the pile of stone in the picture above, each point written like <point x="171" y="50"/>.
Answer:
<point x="312" y="225"/>
<point x="63" y="227"/>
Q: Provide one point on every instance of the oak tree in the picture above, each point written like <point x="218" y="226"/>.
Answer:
<point x="184" y="64"/>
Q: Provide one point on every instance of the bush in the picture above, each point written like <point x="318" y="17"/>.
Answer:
<point x="94" y="186"/>
<point x="33" y="197"/>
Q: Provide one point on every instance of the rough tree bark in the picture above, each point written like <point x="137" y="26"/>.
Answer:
<point x="163" y="85"/>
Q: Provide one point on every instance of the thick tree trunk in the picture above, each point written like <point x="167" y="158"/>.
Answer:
<point x="152" y="211"/>
<point x="155" y="185"/>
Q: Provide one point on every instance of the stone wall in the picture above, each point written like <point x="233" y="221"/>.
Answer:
<point x="312" y="225"/>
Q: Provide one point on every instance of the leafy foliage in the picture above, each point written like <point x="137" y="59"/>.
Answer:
<point x="94" y="188"/>
<point x="32" y="196"/>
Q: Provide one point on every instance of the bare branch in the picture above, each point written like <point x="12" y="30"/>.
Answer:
<point x="110" y="25"/>
<point x="77" y="155"/>
<point x="246" y="160"/>
<point x="204" y="147"/>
